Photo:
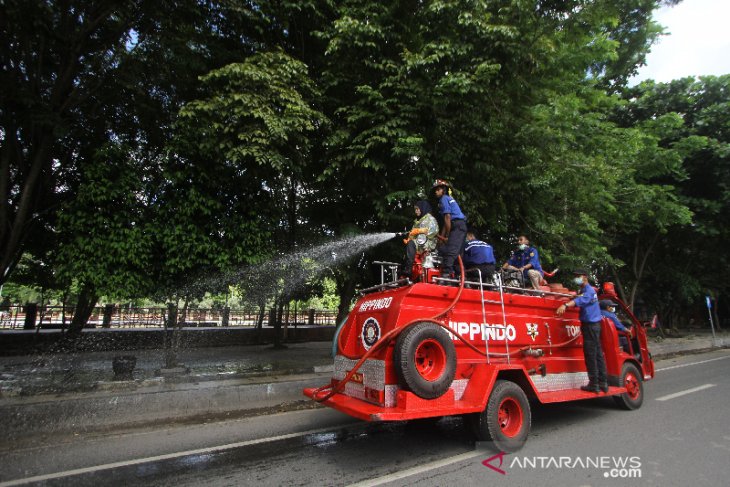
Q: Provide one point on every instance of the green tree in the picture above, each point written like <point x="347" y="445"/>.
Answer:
<point x="82" y="79"/>
<point x="241" y="159"/>
<point x="56" y="60"/>
<point x="310" y="115"/>
<point x="689" y="117"/>
<point x="106" y="238"/>
<point x="492" y="95"/>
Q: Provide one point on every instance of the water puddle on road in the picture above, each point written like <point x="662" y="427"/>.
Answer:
<point x="331" y="457"/>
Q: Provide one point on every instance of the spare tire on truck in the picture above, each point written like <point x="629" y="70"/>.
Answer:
<point x="425" y="360"/>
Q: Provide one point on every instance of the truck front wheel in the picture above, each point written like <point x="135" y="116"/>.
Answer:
<point x="507" y="418"/>
<point x="631" y="380"/>
<point x="425" y="360"/>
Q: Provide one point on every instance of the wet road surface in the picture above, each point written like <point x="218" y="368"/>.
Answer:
<point x="680" y="436"/>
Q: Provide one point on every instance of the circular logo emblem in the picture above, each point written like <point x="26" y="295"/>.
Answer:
<point x="370" y="333"/>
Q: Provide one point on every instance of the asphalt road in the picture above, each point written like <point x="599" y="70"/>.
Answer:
<point x="680" y="436"/>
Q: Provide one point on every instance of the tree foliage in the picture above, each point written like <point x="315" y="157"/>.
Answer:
<point x="162" y="141"/>
<point x="689" y="117"/>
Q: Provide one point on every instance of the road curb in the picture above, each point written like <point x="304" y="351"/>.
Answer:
<point x="701" y="346"/>
<point x="691" y="351"/>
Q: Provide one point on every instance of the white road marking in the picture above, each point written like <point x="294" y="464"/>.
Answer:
<point x="692" y="363"/>
<point x="166" y="430"/>
<point x="420" y="469"/>
<point x="168" y="456"/>
<point x="685" y="392"/>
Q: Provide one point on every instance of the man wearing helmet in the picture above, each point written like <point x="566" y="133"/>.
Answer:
<point x="453" y="231"/>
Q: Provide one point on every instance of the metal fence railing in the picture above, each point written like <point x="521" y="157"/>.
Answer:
<point x="50" y="317"/>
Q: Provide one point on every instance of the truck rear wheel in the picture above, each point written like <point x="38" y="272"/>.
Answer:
<point x="507" y="418"/>
<point x="425" y="360"/>
<point x="631" y="380"/>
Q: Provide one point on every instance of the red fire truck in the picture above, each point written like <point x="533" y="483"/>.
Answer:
<point x="441" y="347"/>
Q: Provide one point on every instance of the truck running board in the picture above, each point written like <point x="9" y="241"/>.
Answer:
<point x="577" y="395"/>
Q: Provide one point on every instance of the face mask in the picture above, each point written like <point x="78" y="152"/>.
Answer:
<point x="578" y="280"/>
<point x="523" y="247"/>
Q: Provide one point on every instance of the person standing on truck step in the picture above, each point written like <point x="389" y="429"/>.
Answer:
<point x="422" y="237"/>
<point x="453" y="231"/>
<point x="526" y="260"/>
<point x="590" y="327"/>
<point x="478" y="255"/>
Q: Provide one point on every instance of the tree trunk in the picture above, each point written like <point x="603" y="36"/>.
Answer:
<point x="292" y="213"/>
<point x="84" y="307"/>
<point x="620" y="287"/>
<point x="64" y="298"/>
<point x="346" y="292"/>
<point x="279" y="311"/>
<point x="15" y="233"/>
<point x="260" y="321"/>
<point x="639" y="266"/>
<point x="171" y="332"/>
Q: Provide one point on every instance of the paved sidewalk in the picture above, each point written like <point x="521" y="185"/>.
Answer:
<point x="77" y="393"/>
<point x="72" y="393"/>
<point x="89" y="371"/>
<point x="693" y="341"/>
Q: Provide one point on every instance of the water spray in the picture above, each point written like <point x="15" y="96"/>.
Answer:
<point x="288" y="272"/>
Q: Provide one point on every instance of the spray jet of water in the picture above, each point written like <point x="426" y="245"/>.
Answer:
<point x="287" y="273"/>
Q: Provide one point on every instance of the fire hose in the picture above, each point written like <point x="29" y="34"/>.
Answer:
<point x="330" y="390"/>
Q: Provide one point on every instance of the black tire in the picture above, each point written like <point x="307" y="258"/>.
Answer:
<point x="425" y="360"/>
<point x="509" y="429"/>
<point x="631" y="378"/>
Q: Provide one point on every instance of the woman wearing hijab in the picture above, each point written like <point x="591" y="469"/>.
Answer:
<point x="422" y="237"/>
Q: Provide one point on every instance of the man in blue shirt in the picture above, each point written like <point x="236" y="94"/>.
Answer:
<point x="608" y="310"/>
<point x="590" y="327"/>
<point x="478" y="255"/>
<point x="453" y="230"/>
<point x="526" y="260"/>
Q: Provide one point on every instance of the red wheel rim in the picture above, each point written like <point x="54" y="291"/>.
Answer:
<point x="633" y="389"/>
<point x="430" y="359"/>
<point x="510" y="416"/>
